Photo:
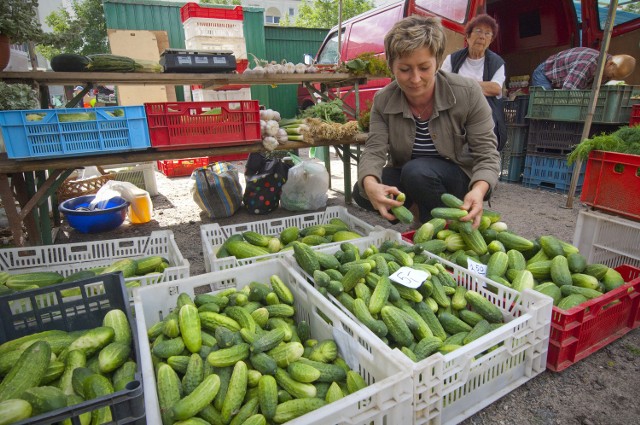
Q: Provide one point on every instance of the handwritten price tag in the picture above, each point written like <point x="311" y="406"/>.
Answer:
<point x="476" y="267"/>
<point x="411" y="278"/>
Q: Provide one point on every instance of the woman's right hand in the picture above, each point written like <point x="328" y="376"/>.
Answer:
<point x="381" y="196"/>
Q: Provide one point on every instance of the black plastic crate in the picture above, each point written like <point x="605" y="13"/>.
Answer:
<point x="560" y="137"/>
<point x="28" y="312"/>
<point x="515" y="110"/>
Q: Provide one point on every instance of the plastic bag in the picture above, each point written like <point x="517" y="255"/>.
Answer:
<point x="264" y="178"/>
<point x="112" y="188"/>
<point x="216" y="189"/>
<point x="306" y="187"/>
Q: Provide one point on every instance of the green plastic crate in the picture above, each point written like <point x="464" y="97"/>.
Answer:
<point x="613" y="105"/>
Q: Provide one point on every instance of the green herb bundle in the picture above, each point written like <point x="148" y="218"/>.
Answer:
<point x="624" y="140"/>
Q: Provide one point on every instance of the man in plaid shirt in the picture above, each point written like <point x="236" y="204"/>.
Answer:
<point x="575" y="69"/>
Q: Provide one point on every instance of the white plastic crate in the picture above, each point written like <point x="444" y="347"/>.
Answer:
<point x="211" y="27"/>
<point x="142" y="175"/>
<point x="607" y="239"/>
<point x="67" y="259"/>
<point x="237" y="45"/>
<point x="387" y="399"/>
<point x="203" y="95"/>
<point x="450" y="388"/>
<point x="213" y="235"/>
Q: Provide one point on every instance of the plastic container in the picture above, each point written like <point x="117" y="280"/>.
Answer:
<point x="635" y="115"/>
<point x="584" y="329"/>
<point x="38" y="310"/>
<point x="607" y="239"/>
<point x="194" y="10"/>
<point x="141" y="207"/>
<point x="72" y="257"/>
<point x="512" y="167"/>
<point x="238" y="46"/>
<point x="213" y="235"/>
<point x="51" y="138"/>
<point x="612" y="183"/>
<point x="176" y="125"/>
<point x="184" y="167"/>
<point x="515" y="111"/>
<point x="386" y="400"/>
<point x="142" y="175"/>
<point x="101" y="219"/>
<point x="559" y="138"/>
<point x="449" y="388"/>
<point x="516" y="138"/>
<point x="211" y="27"/>
<point x="550" y="173"/>
<point x="613" y="104"/>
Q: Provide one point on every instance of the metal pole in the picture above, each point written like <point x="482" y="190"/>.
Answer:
<point x="339" y="31"/>
<point x="602" y="60"/>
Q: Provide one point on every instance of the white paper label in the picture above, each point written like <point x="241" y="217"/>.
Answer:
<point x="476" y="267"/>
<point x="411" y="278"/>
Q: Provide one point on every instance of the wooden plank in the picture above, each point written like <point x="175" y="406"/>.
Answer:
<point x="209" y="80"/>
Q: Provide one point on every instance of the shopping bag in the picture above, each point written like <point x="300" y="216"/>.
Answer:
<point x="306" y="187"/>
<point x="216" y="189"/>
<point x="264" y="178"/>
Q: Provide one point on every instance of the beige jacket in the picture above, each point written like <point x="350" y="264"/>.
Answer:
<point x="461" y="127"/>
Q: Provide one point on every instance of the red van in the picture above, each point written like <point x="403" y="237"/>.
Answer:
<point x="530" y="31"/>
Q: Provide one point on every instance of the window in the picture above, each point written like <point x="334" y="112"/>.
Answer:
<point x="271" y="19"/>
<point x="292" y="11"/>
<point x="329" y="54"/>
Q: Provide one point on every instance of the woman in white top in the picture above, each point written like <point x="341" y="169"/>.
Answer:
<point x="479" y="63"/>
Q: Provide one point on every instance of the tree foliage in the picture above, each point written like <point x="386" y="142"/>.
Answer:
<point x="82" y="31"/>
<point x="324" y="13"/>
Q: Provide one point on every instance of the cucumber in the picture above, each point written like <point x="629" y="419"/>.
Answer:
<point x="201" y="396"/>
<point x="14" y="410"/>
<point x="27" y="372"/>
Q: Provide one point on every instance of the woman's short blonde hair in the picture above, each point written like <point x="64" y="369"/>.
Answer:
<point x="412" y="33"/>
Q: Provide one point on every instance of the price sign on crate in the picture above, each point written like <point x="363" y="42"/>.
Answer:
<point x="476" y="267"/>
<point x="409" y="277"/>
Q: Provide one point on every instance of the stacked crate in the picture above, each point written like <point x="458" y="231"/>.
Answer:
<point x="216" y="29"/>
<point x="513" y="153"/>
<point x="555" y="127"/>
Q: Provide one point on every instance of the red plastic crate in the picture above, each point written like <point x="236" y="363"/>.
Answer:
<point x="184" y="167"/>
<point x="181" y="167"/>
<point x="193" y="10"/>
<point x="177" y="125"/>
<point x="582" y="330"/>
<point x="612" y="183"/>
<point x="635" y="114"/>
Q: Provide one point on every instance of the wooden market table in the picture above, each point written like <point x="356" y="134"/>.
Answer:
<point x="32" y="182"/>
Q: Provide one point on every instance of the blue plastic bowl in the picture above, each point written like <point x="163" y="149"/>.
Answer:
<point x="97" y="220"/>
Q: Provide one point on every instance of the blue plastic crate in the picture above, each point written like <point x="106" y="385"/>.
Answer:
<point x="49" y="137"/>
<point x="550" y="173"/>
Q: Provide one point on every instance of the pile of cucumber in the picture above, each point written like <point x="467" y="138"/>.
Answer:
<point x="545" y="264"/>
<point x="239" y="357"/>
<point x="51" y="370"/>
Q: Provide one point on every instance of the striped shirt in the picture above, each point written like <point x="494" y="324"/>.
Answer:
<point x="423" y="145"/>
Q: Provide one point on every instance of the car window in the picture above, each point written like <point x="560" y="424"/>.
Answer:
<point x="329" y="54"/>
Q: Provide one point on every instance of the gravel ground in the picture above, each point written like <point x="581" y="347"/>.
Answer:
<point x="598" y="390"/>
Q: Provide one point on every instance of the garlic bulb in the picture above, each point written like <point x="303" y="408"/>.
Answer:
<point x="300" y="68"/>
<point x="269" y="143"/>
<point x="282" y="136"/>
<point x="271" y="128"/>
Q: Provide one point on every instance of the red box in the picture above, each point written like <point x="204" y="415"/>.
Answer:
<point x="177" y="125"/>
<point x="612" y="183"/>
<point x="635" y="114"/>
<point x="242" y="64"/>
<point x="184" y="167"/>
<point x="193" y="10"/>
<point x="584" y="329"/>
